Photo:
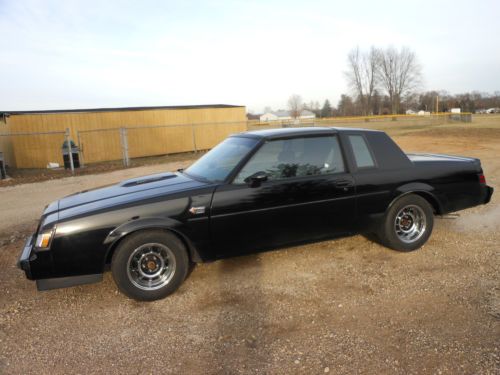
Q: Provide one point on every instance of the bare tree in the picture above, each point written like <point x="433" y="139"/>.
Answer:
<point x="295" y="105"/>
<point x="345" y="106"/>
<point x="399" y="74"/>
<point x="362" y="76"/>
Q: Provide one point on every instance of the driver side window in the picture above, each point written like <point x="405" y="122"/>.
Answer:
<point x="296" y="157"/>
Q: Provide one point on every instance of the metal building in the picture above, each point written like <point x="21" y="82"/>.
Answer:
<point x="36" y="136"/>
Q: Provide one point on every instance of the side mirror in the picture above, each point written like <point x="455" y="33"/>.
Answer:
<point x="256" y="179"/>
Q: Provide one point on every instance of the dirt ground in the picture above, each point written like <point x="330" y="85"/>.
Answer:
<point x="347" y="306"/>
<point x="25" y="176"/>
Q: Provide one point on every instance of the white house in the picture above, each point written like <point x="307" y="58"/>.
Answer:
<point x="285" y="116"/>
<point x="305" y="114"/>
<point x="423" y="113"/>
<point x="276" y="116"/>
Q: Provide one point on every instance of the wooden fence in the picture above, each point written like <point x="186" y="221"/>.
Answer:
<point x="430" y="118"/>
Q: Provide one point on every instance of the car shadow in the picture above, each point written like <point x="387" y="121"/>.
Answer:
<point x="373" y="238"/>
<point x="242" y="310"/>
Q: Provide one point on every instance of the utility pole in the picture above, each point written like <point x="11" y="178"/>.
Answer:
<point x="437" y="104"/>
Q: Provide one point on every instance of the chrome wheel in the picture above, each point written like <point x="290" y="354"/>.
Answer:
<point x="151" y="266"/>
<point x="410" y="223"/>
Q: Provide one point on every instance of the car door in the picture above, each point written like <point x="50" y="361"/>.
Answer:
<point x="308" y="195"/>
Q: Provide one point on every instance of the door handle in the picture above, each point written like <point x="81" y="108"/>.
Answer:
<point x="343" y="183"/>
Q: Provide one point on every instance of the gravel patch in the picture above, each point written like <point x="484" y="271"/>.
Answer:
<point x="343" y="306"/>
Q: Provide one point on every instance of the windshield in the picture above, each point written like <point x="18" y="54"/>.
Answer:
<point x="216" y="164"/>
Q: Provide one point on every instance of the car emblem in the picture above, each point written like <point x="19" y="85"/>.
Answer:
<point x="197" y="210"/>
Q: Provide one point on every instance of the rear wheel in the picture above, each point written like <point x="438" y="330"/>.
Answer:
<point x="407" y="224"/>
<point x="149" y="265"/>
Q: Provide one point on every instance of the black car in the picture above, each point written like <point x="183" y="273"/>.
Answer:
<point x="255" y="191"/>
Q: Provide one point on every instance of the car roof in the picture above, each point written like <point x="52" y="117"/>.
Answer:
<point x="296" y="132"/>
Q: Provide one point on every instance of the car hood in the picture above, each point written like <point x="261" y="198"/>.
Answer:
<point x="124" y="192"/>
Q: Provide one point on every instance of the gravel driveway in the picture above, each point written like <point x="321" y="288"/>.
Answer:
<point x="345" y="306"/>
<point x="22" y="205"/>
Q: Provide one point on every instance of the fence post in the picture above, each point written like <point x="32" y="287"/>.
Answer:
<point x="80" y="149"/>
<point x="70" y="151"/>
<point x="194" y="139"/>
<point x="3" y="173"/>
<point x="124" y="142"/>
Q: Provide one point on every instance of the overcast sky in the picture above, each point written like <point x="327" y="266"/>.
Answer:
<point x="82" y="54"/>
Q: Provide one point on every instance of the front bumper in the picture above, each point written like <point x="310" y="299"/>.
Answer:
<point x="37" y="266"/>
<point x="489" y="193"/>
<point x="23" y="262"/>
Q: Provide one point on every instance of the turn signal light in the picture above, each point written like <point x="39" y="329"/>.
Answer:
<point x="43" y="240"/>
<point x="482" y="179"/>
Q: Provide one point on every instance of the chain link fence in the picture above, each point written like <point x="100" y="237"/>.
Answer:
<point x="123" y="144"/>
<point x="133" y="142"/>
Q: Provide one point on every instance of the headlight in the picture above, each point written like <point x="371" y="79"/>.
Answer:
<point x="43" y="239"/>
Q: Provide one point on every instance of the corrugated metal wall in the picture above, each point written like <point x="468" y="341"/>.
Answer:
<point x="37" y="151"/>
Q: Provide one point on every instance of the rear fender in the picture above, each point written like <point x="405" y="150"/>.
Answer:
<point x="419" y="188"/>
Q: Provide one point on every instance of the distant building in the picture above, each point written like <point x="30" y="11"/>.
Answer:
<point x="276" y="116"/>
<point x="307" y="115"/>
<point x="455" y="110"/>
<point x="285" y="116"/>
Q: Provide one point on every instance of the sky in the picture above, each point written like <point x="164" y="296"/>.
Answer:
<point x="86" y="54"/>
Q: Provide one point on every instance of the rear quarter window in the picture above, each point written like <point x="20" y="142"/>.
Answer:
<point x="362" y="154"/>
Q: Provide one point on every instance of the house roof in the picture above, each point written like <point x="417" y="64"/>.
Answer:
<point x="118" y="109"/>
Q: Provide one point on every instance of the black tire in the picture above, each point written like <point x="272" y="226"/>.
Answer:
<point x="393" y="234"/>
<point x="148" y="249"/>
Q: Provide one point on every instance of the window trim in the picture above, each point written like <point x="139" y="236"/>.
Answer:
<point x="230" y="178"/>
<point x="258" y="146"/>
<point x="372" y="154"/>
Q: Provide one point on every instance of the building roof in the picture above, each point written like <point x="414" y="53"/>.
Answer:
<point x="119" y="109"/>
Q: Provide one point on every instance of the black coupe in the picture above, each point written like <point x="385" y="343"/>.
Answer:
<point x="255" y="191"/>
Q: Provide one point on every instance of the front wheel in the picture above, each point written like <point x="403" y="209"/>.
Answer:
<point x="408" y="223"/>
<point x="149" y="265"/>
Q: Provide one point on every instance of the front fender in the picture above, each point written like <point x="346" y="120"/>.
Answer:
<point x="131" y="226"/>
